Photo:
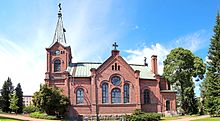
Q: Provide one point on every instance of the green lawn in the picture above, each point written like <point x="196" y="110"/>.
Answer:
<point x="209" y="119"/>
<point x="8" y="119"/>
<point x="177" y="117"/>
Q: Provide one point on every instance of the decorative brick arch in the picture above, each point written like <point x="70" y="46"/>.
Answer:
<point x="116" y="74"/>
<point x="121" y="78"/>
<point x="57" y="58"/>
<point x="142" y="95"/>
<point x="144" y="88"/>
<point x="121" y="94"/>
<point x="129" y="82"/>
<point x="102" y="82"/>
<point x="78" y="87"/>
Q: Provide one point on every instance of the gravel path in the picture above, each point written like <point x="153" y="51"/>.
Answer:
<point x="22" y="117"/>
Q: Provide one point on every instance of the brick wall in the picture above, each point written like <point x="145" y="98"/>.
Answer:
<point x="92" y="86"/>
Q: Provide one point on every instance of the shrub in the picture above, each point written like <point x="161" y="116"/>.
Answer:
<point x="138" y="115"/>
<point x="30" y="109"/>
<point x="51" y="100"/>
<point x="42" y="116"/>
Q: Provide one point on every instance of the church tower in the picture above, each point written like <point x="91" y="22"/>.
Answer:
<point x="58" y="55"/>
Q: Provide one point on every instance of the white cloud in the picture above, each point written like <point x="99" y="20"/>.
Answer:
<point x="137" y="56"/>
<point x="193" y="42"/>
<point x="25" y="62"/>
<point x="197" y="87"/>
<point x="87" y="32"/>
<point x="21" y="65"/>
<point x="207" y="59"/>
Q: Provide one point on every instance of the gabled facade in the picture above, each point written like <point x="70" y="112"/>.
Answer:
<point x="110" y="88"/>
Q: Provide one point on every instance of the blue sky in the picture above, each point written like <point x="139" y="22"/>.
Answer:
<point x="140" y="27"/>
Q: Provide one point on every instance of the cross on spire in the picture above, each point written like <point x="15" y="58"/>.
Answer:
<point x="115" y="46"/>
<point x="60" y="7"/>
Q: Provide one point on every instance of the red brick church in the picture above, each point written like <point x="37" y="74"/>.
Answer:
<point x="113" y="87"/>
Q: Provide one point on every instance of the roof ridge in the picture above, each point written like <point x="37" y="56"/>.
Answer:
<point x="102" y="63"/>
<point x="88" y="63"/>
<point x="136" y="65"/>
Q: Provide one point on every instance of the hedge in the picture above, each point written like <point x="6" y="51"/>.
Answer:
<point x="42" y="116"/>
<point x="30" y="109"/>
<point x="142" y="116"/>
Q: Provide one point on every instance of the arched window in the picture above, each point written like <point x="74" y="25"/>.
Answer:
<point x="57" y="65"/>
<point x="126" y="93"/>
<point x="167" y="105"/>
<point x="146" y="96"/>
<point x="79" y="96"/>
<point x="104" y="93"/>
<point x="116" y="95"/>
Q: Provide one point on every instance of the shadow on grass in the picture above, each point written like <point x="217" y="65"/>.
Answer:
<point x="10" y="119"/>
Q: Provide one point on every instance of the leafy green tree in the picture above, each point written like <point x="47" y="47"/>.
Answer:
<point x="19" y="94"/>
<point x="50" y="100"/>
<point x="211" y="85"/>
<point x="13" y="102"/>
<point x="7" y="89"/>
<point x="179" y="68"/>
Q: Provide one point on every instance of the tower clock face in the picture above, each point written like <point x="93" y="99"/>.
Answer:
<point x="116" y="80"/>
<point x="57" y="52"/>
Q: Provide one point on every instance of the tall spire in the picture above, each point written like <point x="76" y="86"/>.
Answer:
<point x="59" y="35"/>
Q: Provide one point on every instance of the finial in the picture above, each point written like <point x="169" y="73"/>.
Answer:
<point x="59" y="13"/>
<point x="115" y="46"/>
<point x="145" y="61"/>
<point x="59" y="7"/>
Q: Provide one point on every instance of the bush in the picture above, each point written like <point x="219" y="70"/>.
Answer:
<point x="30" y="109"/>
<point x="138" y="115"/>
<point x="42" y="116"/>
<point x="51" y="100"/>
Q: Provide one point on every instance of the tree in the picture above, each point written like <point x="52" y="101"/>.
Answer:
<point x="7" y="89"/>
<point x="19" y="94"/>
<point x="211" y="85"/>
<point x="179" y="68"/>
<point x="1" y="102"/>
<point x="50" y="100"/>
<point x="13" y="102"/>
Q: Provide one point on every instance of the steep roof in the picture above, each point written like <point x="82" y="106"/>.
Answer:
<point x="83" y="69"/>
<point x="59" y="35"/>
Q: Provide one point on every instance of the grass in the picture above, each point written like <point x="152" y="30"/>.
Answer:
<point x="209" y="119"/>
<point x="9" y="119"/>
<point x="177" y="117"/>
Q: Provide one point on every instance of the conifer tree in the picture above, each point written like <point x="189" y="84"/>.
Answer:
<point x="211" y="85"/>
<point x="1" y="103"/>
<point x="13" y="102"/>
<point x="19" y="94"/>
<point x="7" y="89"/>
